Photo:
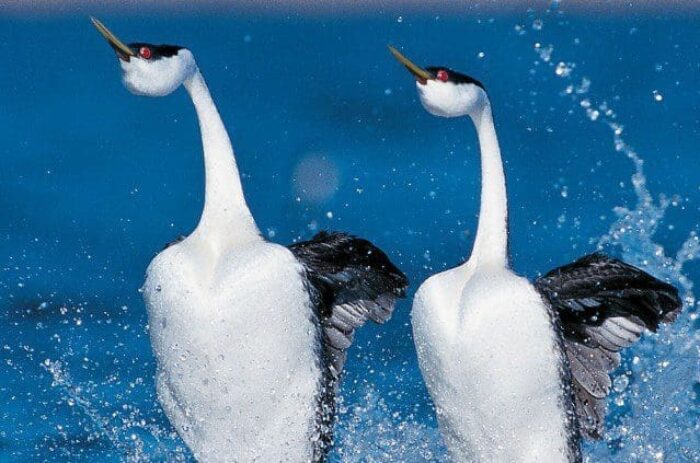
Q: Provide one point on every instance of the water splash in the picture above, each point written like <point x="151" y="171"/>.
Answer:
<point x="131" y="435"/>
<point x="74" y="396"/>
<point x="654" y="408"/>
<point x="370" y="432"/>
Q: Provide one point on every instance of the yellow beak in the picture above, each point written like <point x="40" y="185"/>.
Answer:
<point x="122" y="50"/>
<point x="418" y="72"/>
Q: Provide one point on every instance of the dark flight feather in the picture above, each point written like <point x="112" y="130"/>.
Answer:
<point x="603" y="305"/>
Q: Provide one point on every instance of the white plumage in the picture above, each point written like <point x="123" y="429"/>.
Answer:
<point x="489" y="357"/>
<point x="485" y="341"/>
<point x="232" y="325"/>
<point x="237" y="372"/>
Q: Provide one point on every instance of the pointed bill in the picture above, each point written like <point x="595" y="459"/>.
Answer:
<point x="420" y="74"/>
<point x="122" y="50"/>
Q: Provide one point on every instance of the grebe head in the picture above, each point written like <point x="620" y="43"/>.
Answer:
<point x="444" y="92"/>
<point x="151" y="70"/>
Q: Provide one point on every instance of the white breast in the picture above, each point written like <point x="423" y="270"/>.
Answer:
<point x="236" y="344"/>
<point x="490" y="359"/>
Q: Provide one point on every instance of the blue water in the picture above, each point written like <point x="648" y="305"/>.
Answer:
<point x="94" y="181"/>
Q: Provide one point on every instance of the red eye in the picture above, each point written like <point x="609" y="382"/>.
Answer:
<point x="442" y="75"/>
<point x="145" y="52"/>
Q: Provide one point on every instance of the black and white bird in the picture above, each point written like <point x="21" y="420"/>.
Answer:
<point x="250" y="337"/>
<point x="519" y="371"/>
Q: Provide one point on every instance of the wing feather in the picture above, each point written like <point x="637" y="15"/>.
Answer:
<point x="351" y="281"/>
<point x="604" y="305"/>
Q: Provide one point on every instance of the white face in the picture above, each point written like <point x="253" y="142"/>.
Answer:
<point x="449" y="99"/>
<point x="157" y="76"/>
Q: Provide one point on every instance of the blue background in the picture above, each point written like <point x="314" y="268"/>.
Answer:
<point x="94" y="181"/>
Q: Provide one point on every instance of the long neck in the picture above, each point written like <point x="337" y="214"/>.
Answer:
<point x="491" y="243"/>
<point x="225" y="218"/>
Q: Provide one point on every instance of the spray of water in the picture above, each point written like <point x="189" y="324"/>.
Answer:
<point x="654" y="406"/>
<point x="124" y="429"/>
<point x="74" y="396"/>
<point x="372" y="433"/>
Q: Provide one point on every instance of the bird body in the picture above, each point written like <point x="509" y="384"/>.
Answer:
<point x="235" y="338"/>
<point x="490" y="359"/>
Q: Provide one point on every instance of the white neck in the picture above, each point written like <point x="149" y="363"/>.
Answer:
<point x="226" y="219"/>
<point x="491" y="243"/>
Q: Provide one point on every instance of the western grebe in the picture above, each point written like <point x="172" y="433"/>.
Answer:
<point x="518" y="371"/>
<point x="250" y="337"/>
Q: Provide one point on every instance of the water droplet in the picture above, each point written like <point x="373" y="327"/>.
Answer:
<point x="537" y="24"/>
<point x="592" y="114"/>
<point x="621" y="383"/>
<point x="399" y="19"/>
<point x="657" y="95"/>
<point x="563" y="69"/>
<point x="545" y="53"/>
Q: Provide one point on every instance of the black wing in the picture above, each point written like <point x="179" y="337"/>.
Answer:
<point x="604" y="305"/>
<point x="350" y="281"/>
<point x="353" y="281"/>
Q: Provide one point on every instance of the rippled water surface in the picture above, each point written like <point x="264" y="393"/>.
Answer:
<point x="598" y="121"/>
